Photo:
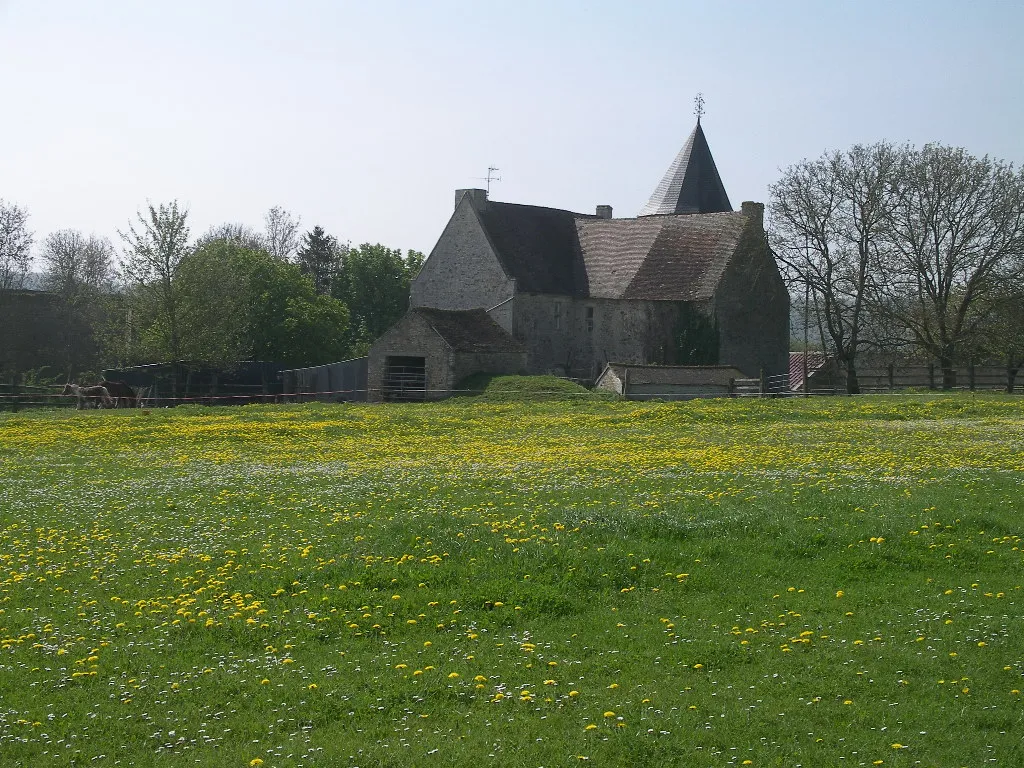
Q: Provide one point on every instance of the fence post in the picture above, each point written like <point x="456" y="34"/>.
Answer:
<point x="14" y="393"/>
<point x="764" y="383"/>
<point x="732" y="387"/>
<point x="891" y="370"/>
<point x="931" y="376"/>
<point x="970" y="376"/>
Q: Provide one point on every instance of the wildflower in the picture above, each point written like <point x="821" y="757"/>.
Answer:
<point x="452" y="675"/>
<point x="590" y="727"/>
<point x="609" y="713"/>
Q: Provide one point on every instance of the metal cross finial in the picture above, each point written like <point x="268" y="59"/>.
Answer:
<point x="698" y="106"/>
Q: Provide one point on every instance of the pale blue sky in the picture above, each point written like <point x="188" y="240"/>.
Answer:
<point x="364" y="117"/>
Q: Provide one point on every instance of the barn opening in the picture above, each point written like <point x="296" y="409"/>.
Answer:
<point x="405" y="378"/>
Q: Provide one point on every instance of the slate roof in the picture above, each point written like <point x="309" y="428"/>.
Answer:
<point x="471" y="330"/>
<point x="537" y="246"/>
<point x="660" y="258"/>
<point x="691" y="184"/>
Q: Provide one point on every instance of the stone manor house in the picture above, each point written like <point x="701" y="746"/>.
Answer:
<point x="523" y="289"/>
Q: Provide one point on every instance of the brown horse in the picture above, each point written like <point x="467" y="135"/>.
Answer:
<point x="89" y="397"/>
<point x="124" y="396"/>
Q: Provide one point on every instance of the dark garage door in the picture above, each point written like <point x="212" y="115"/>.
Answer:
<point x="405" y="378"/>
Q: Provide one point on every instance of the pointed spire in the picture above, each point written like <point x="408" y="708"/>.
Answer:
<point x="692" y="183"/>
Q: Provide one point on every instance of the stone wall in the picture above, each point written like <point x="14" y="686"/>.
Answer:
<point x="751" y="306"/>
<point x="622" y="331"/>
<point x="463" y="272"/>
<point x="411" y="336"/>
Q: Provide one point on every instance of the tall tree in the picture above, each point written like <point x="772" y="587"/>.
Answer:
<point x="15" y="245"/>
<point x="320" y="258"/>
<point x="374" y="284"/>
<point x="155" y="244"/>
<point x="828" y="216"/>
<point x="956" y="233"/>
<point x="281" y="233"/>
<point x="79" y="271"/>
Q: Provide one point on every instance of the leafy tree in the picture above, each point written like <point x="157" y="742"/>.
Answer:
<point x="289" y="321"/>
<point x="212" y="283"/>
<point x="154" y="248"/>
<point x="320" y="258"/>
<point x="374" y="284"/>
<point x="15" y="245"/>
<point x="240" y="303"/>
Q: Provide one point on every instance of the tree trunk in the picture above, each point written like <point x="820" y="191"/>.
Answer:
<point x="1012" y="366"/>
<point x="852" y="384"/>
<point x="948" y="373"/>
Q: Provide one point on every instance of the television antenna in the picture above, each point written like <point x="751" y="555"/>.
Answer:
<point x="489" y="177"/>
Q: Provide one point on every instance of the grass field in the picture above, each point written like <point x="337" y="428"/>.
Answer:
<point x="832" y="582"/>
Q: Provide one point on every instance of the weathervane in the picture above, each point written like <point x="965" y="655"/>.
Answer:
<point x="698" y="106"/>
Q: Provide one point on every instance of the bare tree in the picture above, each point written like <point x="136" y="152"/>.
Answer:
<point x="281" y="234"/>
<point x="15" y="245"/>
<point x="827" y="217"/>
<point x="79" y="271"/>
<point x="956" y="232"/>
<point x="236" y="234"/>
<point x="154" y="248"/>
<point x="72" y="261"/>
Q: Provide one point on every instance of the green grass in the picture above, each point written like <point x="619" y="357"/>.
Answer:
<point x="778" y="581"/>
<point x="499" y="389"/>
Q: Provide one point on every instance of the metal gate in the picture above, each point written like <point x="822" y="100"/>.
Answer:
<point x="405" y="378"/>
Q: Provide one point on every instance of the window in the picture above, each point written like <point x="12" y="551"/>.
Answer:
<point x="590" y="319"/>
<point x="558" y="315"/>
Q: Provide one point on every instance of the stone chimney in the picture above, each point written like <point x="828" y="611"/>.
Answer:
<point x="477" y="198"/>
<point x="753" y="211"/>
<point x="604" y="211"/>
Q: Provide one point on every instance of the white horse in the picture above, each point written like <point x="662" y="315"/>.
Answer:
<point x="89" y="397"/>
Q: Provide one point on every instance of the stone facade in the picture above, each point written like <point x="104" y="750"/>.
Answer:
<point x="449" y="346"/>
<point x="693" y="284"/>
<point x="463" y="271"/>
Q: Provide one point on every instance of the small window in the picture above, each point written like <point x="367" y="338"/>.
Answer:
<point x="558" y="315"/>
<point x="590" y="319"/>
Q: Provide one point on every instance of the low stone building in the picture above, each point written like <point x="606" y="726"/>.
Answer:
<point x="426" y="354"/>
<point x="668" y="382"/>
<point x="688" y="282"/>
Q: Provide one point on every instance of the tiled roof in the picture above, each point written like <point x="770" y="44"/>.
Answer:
<point x="471" y="330"/>
<point x="662" y="258"/>
<point x="815" y="362"/>
<point x="691" y="184"/>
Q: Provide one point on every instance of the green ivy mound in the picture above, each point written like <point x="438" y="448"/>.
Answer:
<point x="491" y="388"/>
